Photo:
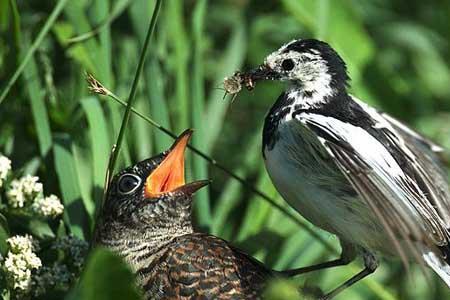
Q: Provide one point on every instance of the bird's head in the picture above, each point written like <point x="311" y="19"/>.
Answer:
<point x="308" y="64"/>
<point x="150" y="198"/>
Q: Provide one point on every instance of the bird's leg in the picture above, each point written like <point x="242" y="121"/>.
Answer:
<point x="325" y="265"/>
<point x="348" y="254"/>
<point x="370" y="265"/>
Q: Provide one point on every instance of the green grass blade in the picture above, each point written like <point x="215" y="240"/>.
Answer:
<point x="154" y="82"/>
<point x="257" y="211"/>
<point x="158" y="103"/>
<point x="48" y="24"/>
<point x="119" y="7"/>
<point x="89" y="52"/>
<point x="83" y="163"/>
<point x="36" y="93"/>
<point x="133" y="90"/>
<point x="230" y="195"/>
<point x="200" y="166"/>
<point x="100" y="144"/>
<point x="141" y="134"/>
<point x="140" y="10"/>
<point x="233" y="58"/>
<point x="74" y="211"/>
<point x="78" y="52"/>
<point x="16" y="23"/>
<point x="4" y="234"/>
<point x="101" y="10"/>
<point x="178" y="40"/>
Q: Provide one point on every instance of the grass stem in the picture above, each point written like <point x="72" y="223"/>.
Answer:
<point x="48" y="24"/>
<point x="133" y="90"/>
<point x="126" y="117"/>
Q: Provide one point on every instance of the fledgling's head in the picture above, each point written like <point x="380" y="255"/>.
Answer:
<point x="150" y="199"/>
<point x="309" y="64"/>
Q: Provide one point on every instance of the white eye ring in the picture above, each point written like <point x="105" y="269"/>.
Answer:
<point x="128" y="183"/>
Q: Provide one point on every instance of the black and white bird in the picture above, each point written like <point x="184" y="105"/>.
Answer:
<point x="350" y="169"/>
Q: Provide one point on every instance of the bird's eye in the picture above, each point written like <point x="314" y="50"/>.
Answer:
<point x="128" y="183"/>
<point x="287" y="64"/>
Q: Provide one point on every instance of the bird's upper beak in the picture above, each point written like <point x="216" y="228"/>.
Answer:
<point x="262" y="72"/>
<point x="169" y="175"/>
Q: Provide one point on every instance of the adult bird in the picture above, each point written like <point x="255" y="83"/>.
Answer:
<point x="146" y="219"/>
<point x="350" y="169"/>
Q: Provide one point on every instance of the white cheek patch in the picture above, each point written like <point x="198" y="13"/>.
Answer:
<point x="271" y="60"/>
<point x="274" y="60"/>
<point x="310" y="74"/>
<point x="315" y="78"/>
<point x="308" y="67"/>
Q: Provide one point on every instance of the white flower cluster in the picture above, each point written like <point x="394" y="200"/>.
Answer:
<point x="20" y="261"/>
<point x="26" y="192"/>
<point x="22" y="243"/>
<point x="49" y="206"/>
<point x="23" y="191"/>
<point x="5" y="167"/>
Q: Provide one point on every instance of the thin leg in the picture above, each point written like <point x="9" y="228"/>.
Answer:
<point x="321" y="266"/>
<point x="370" y="263"/>
<point x="348" y="254"/>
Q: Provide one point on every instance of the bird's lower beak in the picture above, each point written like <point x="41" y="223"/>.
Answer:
<point x="263" y="72"/>
<point x="169" y="175"/>
<point x="191" y="188"/>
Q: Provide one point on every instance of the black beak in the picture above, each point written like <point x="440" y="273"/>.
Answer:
<point x="263" y="72"/>
<point x="191" y="188"/>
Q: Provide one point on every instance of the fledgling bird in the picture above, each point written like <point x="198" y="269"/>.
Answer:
<point x="350" y="169"/>
<point x="146" y="219"/>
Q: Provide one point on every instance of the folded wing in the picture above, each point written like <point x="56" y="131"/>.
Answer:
<point x="403" y="191"/>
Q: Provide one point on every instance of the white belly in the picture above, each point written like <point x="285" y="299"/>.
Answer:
<point x="310" y="182"/>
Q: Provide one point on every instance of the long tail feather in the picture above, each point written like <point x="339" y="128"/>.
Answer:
<point x="438" y="264"/>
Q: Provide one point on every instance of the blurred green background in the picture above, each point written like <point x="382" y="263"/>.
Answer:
<point x="50" y="125"/>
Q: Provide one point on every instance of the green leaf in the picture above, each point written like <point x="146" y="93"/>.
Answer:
<point x="106" y="277"/>
<point x="281" y="290"/>
<point x="40" y="229"/>
<point x="30" y="51"/>
<point x="83" y="165"/>
<point x="4" y="234"/>
<point x="36" y="95"/>
<point x="258" y="210"/>
<point x="231" y="60"/>
<point x="74" y="210"/>
<point x="229" y="198"/>
<point x="154" y="82"/>
<point x="78" y="52"/>
<point x="200" y="166"/>
<point x="100" y="145"/>
<point x="178" y="40"/>
<point x="103" y="56"/>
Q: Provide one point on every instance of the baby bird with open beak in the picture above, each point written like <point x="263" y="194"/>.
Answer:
<point x="146" y="219"/>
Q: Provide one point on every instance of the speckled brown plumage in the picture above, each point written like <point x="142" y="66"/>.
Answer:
<point x="201" y="266"/>
<point x="155" y="236"/>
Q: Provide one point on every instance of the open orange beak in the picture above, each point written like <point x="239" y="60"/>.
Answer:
<point x="169" y="175"/>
